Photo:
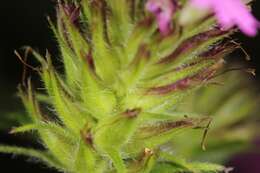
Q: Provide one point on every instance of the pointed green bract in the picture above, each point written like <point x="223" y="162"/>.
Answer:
<point x="41" y="155"/>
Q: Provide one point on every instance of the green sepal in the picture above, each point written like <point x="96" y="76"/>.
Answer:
<point x="69" y="58"/>
<point x="85" y="159"/>
<point x="177" y="164"/>
<point x="119" y="24"/>
<point x="178" y="74"/>
<point x="112" y="133"/>
<point x="75" y="38"/>
<point x="144" y="163"/>
<point x="140" y="35"/>
<point x="106" y="62"/>
<point x="68" y="110"/>
<point x="58" y="140"/>
<point x="158" y="132"/>
<point x="98" y="99"/>
<point x="60" y="144"/>
<point x="31" y="105"/>
<point x="43" y="156"/>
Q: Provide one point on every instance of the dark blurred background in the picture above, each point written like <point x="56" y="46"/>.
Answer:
<point x="23" y="22"/>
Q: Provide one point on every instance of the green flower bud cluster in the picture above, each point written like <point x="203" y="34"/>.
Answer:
<point x="116" y="106"/>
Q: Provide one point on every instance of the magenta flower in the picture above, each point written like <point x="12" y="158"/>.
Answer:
<point x="230" y="13"/>
<point x="163" y="10"/>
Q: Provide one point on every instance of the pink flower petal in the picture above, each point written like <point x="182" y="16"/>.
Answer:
<point x="230" y="13"/>
<point x="163" y="10"/>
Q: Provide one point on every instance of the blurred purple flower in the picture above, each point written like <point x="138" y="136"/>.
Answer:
<point x="163" y="10"/>
<point x="230" y="13"/>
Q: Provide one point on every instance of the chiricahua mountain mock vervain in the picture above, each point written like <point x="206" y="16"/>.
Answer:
<point x="135" y="94"/>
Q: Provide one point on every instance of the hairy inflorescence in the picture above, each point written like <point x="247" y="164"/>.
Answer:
<point x="128" y="66"/>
